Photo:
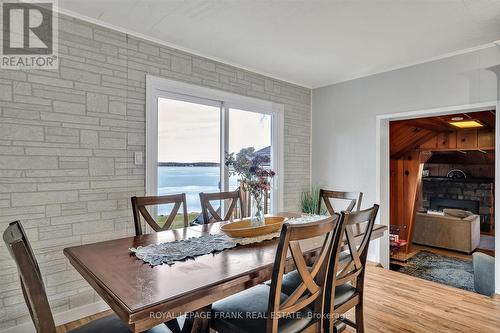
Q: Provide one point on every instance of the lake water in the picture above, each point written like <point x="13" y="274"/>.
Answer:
<point x="189" y="180"/>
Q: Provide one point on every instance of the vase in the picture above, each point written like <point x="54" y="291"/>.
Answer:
<point x="258" y="209"/>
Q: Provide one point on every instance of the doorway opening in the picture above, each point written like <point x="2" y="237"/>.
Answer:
<point x="442" y="199"/>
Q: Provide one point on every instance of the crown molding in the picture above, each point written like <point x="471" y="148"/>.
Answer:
<point x="411" y="64"/>
<point x="271" y="76"/>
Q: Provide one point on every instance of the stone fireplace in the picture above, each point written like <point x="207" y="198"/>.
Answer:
<point x="475" y="195"/>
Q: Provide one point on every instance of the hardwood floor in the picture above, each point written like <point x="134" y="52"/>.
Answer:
<point x="397" y="303"/>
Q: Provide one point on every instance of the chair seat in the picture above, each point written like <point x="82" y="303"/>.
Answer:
<point x="247" y="312"/>
<point x="113" y="324"/>
<point x="343" y="293"/>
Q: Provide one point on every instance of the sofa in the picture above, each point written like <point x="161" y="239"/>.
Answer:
<point x="453" y="231"/>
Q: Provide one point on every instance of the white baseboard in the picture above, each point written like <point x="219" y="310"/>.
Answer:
<point x="62" y="317"/>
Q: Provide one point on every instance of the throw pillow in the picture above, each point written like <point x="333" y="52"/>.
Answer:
<point x="457" y="212"/>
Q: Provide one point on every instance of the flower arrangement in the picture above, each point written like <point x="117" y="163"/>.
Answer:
<point x="253" y="176"/>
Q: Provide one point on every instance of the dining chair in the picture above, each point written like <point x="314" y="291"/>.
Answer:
<point x="346" y="278"/>
<point x="352" y="199"/>
<point x="36" y="297"/>
<point x="211" y="215"/>
<point x="265" y="308"/>
<point x="348" y="268"/>
<point x="139" y="208"/>
<point x="140" y="204"/>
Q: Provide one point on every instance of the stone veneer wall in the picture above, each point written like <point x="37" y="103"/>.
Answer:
<point x="67" y="139"/>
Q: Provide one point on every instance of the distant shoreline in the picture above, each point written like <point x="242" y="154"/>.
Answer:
<point x="192" y="164"/>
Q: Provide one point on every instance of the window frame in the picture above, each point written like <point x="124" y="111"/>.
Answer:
<point x="157" y="87"/>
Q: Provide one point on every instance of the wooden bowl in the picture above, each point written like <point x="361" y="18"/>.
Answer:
<point x="243" y="228"/>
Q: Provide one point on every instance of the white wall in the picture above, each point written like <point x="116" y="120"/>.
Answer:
<point x="344" y="115"/>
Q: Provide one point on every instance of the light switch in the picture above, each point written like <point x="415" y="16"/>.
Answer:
<point x="138" y="158"/>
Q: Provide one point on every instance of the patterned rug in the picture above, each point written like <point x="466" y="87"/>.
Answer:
<point x="442" y="269"/>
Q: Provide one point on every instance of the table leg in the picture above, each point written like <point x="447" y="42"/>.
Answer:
<point x="173" y="326"/>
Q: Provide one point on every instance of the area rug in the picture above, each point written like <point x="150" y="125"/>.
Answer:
<point x="434" y="267"/>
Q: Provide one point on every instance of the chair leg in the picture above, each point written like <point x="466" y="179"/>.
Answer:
<point x="338" y="326"/>
<point x="360" y="324"/>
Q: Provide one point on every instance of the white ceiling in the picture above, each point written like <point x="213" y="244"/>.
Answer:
<point x="310" y="42"/>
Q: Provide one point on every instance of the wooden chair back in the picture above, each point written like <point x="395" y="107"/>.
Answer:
<point x="353" y="200"/>
<point x="310" y="291"/>
<point x="352" y="270"/>
<point x="139" y="208"/>
<point x="211" y="215"/>
<point x="31" y="278"/>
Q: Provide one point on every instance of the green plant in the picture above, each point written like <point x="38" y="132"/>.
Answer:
<point x="310" y="200"/>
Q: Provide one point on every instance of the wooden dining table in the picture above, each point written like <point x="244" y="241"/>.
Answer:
<point x="144" y="296"/>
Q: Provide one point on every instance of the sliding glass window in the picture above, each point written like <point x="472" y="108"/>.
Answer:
<point x="188" y="137"/>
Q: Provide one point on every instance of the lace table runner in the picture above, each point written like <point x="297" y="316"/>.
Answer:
<point x="168" y="253"/>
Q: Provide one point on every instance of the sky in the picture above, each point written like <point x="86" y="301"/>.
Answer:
<point x="189" y="132"/>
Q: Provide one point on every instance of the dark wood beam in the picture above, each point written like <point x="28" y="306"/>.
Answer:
<point x="404" y="138"/>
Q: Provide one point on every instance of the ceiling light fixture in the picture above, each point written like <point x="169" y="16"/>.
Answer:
<point x="457" y="118"/>
<point x="466" y="124"/>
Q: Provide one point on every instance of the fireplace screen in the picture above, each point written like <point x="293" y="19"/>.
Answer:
<point x="441" y="203"/>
